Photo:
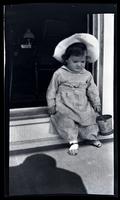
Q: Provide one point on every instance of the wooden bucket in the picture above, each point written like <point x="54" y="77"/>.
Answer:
<point x="105" y="124"/>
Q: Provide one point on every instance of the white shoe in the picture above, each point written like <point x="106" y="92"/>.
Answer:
<point x="74" y="148"/>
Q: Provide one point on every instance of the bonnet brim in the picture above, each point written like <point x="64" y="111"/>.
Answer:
<point x="89" y="40"/>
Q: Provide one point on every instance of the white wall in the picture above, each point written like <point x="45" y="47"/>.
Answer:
<point x="103" y="29"/>
<point x="108" y="64"/>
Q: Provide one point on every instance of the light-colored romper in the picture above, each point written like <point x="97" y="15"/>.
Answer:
<point x="74" y="95"/>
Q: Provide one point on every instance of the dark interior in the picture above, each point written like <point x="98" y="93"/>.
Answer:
<point x="30" y="69"/>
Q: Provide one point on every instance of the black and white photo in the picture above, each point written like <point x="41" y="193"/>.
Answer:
<point x="60" y="67"/>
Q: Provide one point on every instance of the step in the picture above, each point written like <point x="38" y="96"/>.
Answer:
<point x="36" y="134"/>
<point x="29" y="128"/>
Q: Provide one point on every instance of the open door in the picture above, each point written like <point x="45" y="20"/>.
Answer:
<point x="30" y="69"/>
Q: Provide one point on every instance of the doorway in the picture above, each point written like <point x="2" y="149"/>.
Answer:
<point x="30" y="69"/>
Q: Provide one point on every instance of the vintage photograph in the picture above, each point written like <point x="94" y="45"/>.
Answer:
<point x="59" y="62"/>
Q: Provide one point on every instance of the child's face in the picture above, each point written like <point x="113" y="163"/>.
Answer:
<point x="76" y="63"/>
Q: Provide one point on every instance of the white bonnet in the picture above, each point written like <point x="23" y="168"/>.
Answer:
<point x="89" y="40"/>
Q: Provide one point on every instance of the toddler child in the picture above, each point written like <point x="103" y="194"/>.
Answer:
<point x="72" y="96"/>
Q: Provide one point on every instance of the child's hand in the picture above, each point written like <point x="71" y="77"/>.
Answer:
<point x="97" y="108"/>
<point x="52" y="110"/>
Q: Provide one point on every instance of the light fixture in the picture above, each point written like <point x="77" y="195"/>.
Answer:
<point x="28" y="36"/>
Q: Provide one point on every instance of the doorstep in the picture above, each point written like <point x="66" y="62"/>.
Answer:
<point x="25" y="136"/>
<point x="50" y="141"/>
<point x="29" y="128"/>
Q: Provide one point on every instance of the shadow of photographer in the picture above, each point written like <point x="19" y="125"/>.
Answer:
<point x="38" y="174"/>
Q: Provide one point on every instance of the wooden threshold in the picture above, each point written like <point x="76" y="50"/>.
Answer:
<point x="28" y="113"/>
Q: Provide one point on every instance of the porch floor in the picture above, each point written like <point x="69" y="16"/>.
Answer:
<point x="53" y="170"/>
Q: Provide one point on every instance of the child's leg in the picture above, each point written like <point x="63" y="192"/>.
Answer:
<point x="90" y="133"/>
<point x="68" y="130"/>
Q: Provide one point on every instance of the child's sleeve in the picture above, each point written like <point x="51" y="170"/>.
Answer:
<point x="52" y="90"/>
<point x="92" y="92"/>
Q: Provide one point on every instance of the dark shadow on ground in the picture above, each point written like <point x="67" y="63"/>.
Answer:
<point x="38" y="174"/>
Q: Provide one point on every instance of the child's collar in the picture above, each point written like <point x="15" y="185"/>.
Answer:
<point x="65" y="68"/>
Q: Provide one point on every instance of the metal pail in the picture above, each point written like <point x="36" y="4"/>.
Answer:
<point x="105" y="124"/>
